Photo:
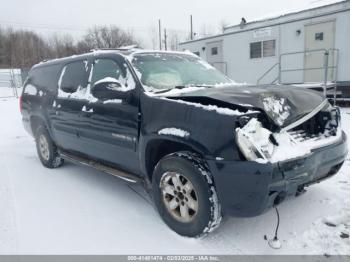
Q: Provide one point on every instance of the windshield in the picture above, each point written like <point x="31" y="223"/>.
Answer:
<point x="161" y="71"/>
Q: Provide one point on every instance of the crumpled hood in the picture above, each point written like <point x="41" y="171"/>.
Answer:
<point x="283" y="104"/>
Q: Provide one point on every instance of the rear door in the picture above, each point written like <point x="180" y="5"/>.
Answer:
<point x="112" y="134"/>
<point x="318" y="36"/>
<point x="68" y="105"/>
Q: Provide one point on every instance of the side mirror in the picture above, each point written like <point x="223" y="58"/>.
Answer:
<point x="107" y="89"/>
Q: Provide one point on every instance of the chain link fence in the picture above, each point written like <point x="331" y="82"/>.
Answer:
<point x="11" y="82"/>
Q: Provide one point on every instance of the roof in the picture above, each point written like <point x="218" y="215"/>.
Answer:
<point x="316" y="5"/>
<point x="319" y="4"/>
<point x="126" y="52"/>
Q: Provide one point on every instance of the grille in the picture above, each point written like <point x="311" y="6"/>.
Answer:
<point x="302" y="136"/>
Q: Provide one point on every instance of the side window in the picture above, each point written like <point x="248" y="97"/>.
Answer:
<point x="105" y="68"/>
<point x="74" y="77"/>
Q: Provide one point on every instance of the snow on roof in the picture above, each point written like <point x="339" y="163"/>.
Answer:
<point x="301" y="8"/>
<point x="127" y="52"/>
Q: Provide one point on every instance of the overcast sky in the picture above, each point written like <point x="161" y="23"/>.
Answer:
<point x="74" y="16"/>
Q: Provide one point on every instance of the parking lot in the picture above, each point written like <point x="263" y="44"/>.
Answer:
<point x="78" y="210"/>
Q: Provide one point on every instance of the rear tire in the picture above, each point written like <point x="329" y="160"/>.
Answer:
<point x="185" y="195"/>
<point x="46" y="149"/>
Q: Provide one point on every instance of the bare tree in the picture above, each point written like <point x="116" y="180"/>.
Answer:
<point x="206" y="30"/>
<point x="107" y="37"/>
<point x="153" y="33"/>
<point x="22" y="48"/>
<point x="62" y="45"/>
<point x="222" y="25"/>
<point x="174" y="39"/>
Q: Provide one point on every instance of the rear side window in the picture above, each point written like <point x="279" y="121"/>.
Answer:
<point x="74" y="77"/>
<point x="44" y="77"/>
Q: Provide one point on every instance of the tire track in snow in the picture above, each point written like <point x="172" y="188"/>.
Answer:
<point x="8" y="228"/>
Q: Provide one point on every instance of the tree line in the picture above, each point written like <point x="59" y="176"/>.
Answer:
<point x="24" y="48"/>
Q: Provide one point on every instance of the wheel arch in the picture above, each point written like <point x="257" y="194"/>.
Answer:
<point x="156" y="148"/>
<point x="35" y="122"/>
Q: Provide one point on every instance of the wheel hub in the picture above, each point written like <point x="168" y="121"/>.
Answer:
<point x="44" y="147"/>
<point x="179" y="196"/>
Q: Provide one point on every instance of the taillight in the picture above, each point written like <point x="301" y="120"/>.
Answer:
<point x="20" y="104"/>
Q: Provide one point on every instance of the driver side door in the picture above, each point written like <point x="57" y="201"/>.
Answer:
<point x="112" y="135"/>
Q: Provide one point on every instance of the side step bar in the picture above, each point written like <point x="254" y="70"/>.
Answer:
<point x="106" y="169"/>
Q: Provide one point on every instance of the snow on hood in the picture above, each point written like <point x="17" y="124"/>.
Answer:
<point x="173" y="131"/>
<point x="219" y="110"/>
<point x="283" y="104"/>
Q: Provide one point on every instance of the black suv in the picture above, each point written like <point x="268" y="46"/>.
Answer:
<point x="202" y="145"/>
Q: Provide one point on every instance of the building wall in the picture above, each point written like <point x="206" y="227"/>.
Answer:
<point x="236" y="46"/>
<point x="237" y="55"/>
<point x="202" y="47"/>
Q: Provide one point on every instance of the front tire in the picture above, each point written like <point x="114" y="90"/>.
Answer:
<point x="46" y="149"/>
<point x="185" y="195"/>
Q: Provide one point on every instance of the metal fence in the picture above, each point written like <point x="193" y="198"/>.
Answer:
<point x="10" y="82"/>
<point x="328" y="69"/>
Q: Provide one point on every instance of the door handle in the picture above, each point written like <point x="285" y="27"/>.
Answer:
<point x="86" y="112"/>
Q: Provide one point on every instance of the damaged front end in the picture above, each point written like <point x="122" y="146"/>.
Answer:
<point x="262" y="142"/>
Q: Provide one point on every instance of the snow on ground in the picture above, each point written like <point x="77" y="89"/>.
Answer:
<point x="78" y="210"/>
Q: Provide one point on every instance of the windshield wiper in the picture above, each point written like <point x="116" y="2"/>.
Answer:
<point x="185" y="86"/>
<point x="182" y="87"/>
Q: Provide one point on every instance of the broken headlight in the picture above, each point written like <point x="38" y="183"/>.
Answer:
<point x="254" y="141"/>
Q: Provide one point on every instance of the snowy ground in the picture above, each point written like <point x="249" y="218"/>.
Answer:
<point x="77" y="210"/>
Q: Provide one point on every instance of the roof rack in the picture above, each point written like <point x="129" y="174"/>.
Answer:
<point x="122" y="48"/>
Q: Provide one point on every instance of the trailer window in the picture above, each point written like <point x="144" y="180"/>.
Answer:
<point x="255" y="50"/>
<point x="214" y="51"/>
<point x="263" y="49"/>
<point x="269" y="48"/>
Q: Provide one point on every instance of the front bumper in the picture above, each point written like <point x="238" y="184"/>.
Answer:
<point x="248" y="188"/>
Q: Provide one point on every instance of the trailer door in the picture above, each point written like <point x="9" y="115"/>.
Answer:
<point x="318" y="36"/>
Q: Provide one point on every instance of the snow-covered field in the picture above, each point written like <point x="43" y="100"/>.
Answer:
<point x="78" y="210"/>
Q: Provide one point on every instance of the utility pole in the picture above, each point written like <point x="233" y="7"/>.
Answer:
<point x="191" y="21"/>
<point x="160" y="35"/>
<point x="165" y="40"/>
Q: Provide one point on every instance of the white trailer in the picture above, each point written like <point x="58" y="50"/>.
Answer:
<point x="309" y="46"/>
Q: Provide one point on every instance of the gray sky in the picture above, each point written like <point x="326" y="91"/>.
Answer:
<point x="74" y="16"/>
